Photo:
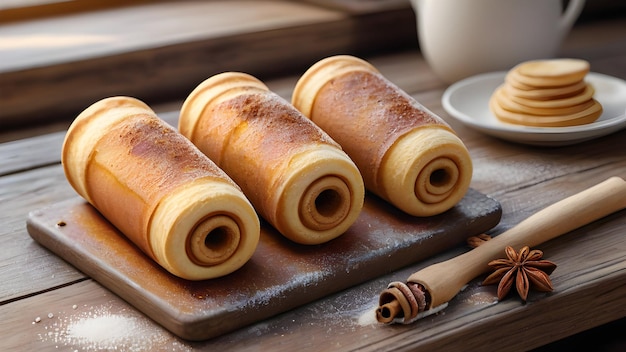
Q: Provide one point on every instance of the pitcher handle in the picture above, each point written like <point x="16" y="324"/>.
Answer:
<point x="570" y="15"/>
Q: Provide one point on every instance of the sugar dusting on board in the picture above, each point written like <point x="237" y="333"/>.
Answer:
<point x="100" y="329"/>
<point x="368" y="317"/>
<point x="106" y="331"/>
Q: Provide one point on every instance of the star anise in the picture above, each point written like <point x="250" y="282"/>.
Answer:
<point x="525" y="268"/>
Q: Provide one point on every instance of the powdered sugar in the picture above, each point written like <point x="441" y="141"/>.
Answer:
<point x="107" y="331"/>
<point x="368" y="317"/>
<point x="100" y="329"/>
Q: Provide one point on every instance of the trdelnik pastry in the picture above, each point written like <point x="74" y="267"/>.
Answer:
<point x="406" y="154"/>
<point x="159" y="190"/>
<point x="295" y="175"/>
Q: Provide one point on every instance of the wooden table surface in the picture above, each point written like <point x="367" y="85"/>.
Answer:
<point x="48" y="305"/>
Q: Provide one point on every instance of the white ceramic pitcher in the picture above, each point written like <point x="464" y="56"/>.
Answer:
<point x="460" y="38"/>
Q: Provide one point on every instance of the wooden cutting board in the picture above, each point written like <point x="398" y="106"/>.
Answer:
<point x="280" y="276"/>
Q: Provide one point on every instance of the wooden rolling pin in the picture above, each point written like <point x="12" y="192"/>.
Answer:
<point x="435" y="285"/>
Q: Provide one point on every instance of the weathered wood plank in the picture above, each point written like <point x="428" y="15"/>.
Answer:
<point x="361" y="6"/>
<point x="21" y="10"/>
<point x="83" y="317"/>
<point x="497" y="171"/>
<point x="26" y="154"/>
<point x="33" y="152"/>
<point x="591" y="276"/>
<point x="162" y="50"/>
<point x="159" y="24"/>
<point x="25" y="267"/>
<point x="507" y="175"/>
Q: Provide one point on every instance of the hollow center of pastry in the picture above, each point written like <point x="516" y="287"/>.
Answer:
<point x="328" y="202"/>
<point x="217" y="238"/>
<point x="436" y="180"/>
<point x="325" y="203"/>
<point x="440" y="177"/>
<point x="214" y="240"/>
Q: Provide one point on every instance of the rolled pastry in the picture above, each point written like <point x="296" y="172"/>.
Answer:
<point x="406" y="154"/>
<point x="296" y="176"/>
<point x="159" y="190"/>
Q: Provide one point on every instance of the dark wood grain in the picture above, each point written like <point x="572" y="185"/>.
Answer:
<point x="276" y="276"/>
<point x="148" y="54"/>
<point x="27" y="268"/>
<point x="589" y="280"/>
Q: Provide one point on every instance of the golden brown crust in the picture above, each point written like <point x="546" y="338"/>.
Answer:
<point x="262" y="132"/>
<point x="158" y="189"/>
<point x="87" y="129"/>
<point x="388" y="134"/>
<point x="305" y="91"/>
<point x="136" y="163"/>
<point x="426" y="172"/>
<point x="363" y="111"/>
<point x="280" y="158"/>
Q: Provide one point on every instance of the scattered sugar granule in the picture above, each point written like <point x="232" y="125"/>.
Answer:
<point x="368" y="317"/>
<point x="104" y="331"/>
<point x="50" y="315"/>
<point x="101" y="330"/>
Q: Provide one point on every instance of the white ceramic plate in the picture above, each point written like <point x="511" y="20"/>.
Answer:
<point x="468" y="101"/>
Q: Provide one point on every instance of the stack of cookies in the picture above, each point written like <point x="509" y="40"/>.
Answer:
<point x="546" y="93"/>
